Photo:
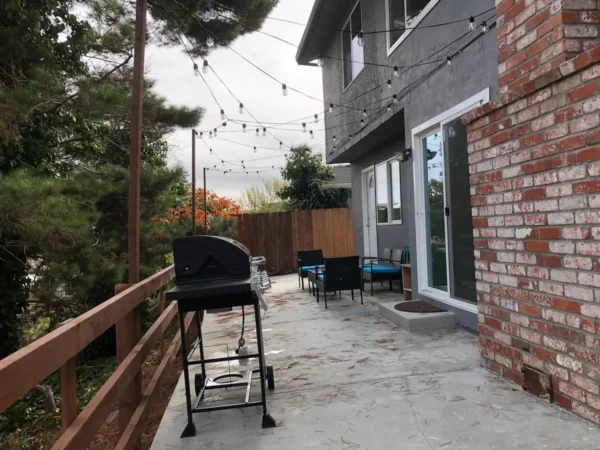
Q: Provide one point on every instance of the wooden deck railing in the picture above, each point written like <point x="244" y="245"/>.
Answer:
<point x="26" y="368"/>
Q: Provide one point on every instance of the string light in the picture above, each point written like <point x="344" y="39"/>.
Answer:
<point x="212" y="12"/>
<point x="389" y="84"/>
<point x="331" y="107"/>
<point x="312" y="135"/>
<point x="389" y="108"/>
<point x="264" y="131"/>
<point x="215" y="132"/>
<point x="316" y="118"/>
<point x="201" y="135"/>
<point x="210" y="152"/>
<point x="210" y="135"/>
<point x="448" y="61"/>
<point x="484" y="27"/>
<point x="395" y="99"/>
<point x="320" y="62"/>
<point x="280" y="145"/>
<point x="334" y="138"/>
<point x="360" y="40"/>
<point x="254" y="149"/>
<point x="196" y="71"/>
<point x="284" y="89"/>
<point x="243" y="128"/>
<point x="206" y="15"/>
<point x="471" y="23"/>
<point x="257" y="132"/>
<point x="205" y="67"/>
<point x="304" y="127"/>
<point x="362" y="123"/>
<point x="210" y="40"/>
<point x="396" y="73"/>
<point x="223" y="115"/>
<point x="224" y="124"/>
<point x="241" y="108"/>
<point x="364" y="113"/>
<point x="350" y="135"/>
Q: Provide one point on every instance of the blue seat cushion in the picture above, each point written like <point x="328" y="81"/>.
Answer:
<point x="380" y="269"/>
<point x="321" y="277"/>
<point x="307" y="268"/>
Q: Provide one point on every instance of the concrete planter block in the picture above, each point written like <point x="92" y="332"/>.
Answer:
<point x="417" y="321"/>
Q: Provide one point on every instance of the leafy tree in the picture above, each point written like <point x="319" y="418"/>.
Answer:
<point x="216" y="207"/>
<point x="306" y="175"/>
<point x="263" y="198"/>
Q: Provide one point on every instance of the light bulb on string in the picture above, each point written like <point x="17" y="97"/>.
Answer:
<point x="389" y="108"/>
<point x="280" y="145"/>
<point x="331" y="107"/>
<point x="396" y="73"/>
<point x="284" y="89"/>
<point x="316" y="118"/>
<point x="360" y="40"/>
<point x="257" y="132"/>
<point x="395" y="99"/>
<point x="334" y="138"/>
<point x="320" y="62"/>
<point x="212" y="12"/>
<point x="484" y="27"/>
<point x="364" y="113"/>
<point x="304" y="127"/>
<point x="362" y="122"/>
<point x="264" y="131"/>
<point x="312" y="135"/>
<point x="223" y="115"/>
<point x="243" y="128"/>
<point x="471" y="23"/>
<point x="210" y="135"/>
<point x="205" y="67"/>
<point x="210" y="152"/>
<point x="350" y="136"/>
<point x="210" y="40"/>
<point x="196" y="71"/>
<point x="215" y="132"/>
<point x="201" y="135"/>
<point x="224" y="124"/>
<point x="448" y="61"/>
<point x="389" y="84"/>
<point x="241" y="108"/>
<point x="254" y="149"/>
<point x="206" y="15"/>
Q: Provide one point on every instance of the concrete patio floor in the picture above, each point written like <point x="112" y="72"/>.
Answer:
<point x="348" y="379"/>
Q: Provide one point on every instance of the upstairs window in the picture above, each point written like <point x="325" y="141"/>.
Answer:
<point x="403" y="15"/>
<point x="352" y="54"/>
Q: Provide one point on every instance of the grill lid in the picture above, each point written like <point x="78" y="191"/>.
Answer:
<point x="208" y="258"/>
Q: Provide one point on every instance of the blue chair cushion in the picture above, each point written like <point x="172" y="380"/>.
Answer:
<point x="307" y="268"/>
<point x="321" y="277"/>
<point x="380" y="269"/>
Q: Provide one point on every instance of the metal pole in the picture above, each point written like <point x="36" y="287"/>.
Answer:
<point x="205" y="207"/>
<point x="193" y="182"/>
<point x="135" y="148"/>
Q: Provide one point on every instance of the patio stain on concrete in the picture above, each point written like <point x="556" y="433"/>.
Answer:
<point x="363" y="383"/>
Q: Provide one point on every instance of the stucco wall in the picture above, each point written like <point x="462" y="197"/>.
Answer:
<point x="474" y="70"/>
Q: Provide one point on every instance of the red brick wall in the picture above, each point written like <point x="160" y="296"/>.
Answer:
<point x="534" y="159"/>
<point x="535" y="36"/>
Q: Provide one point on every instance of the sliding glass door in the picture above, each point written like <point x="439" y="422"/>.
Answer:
<point x="444" y="221"/>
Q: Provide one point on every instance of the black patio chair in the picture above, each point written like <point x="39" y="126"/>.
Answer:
<point x="383" y="269"/>
<point x="341" y="274"/>
<point x="308" y="260"/>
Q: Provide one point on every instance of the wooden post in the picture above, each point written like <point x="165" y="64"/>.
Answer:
<point x="161" y="309"/>
<point x="205" y="207"/>
<point x="68" y="390"/>
<point x="194" y="183"/>
<point x="128" y="335"/>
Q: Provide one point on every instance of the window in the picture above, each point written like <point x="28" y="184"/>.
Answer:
<point x="352" y="54"/>
<point x="388" y="192"/>
<point x="404" y="14"/>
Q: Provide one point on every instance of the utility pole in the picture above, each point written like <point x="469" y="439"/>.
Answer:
<point x="128" y="328"/>
<point x="193" y="182"/>
<point x="205" y="207"/>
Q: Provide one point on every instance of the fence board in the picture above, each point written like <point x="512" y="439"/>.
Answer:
<point x="279" y="236"/>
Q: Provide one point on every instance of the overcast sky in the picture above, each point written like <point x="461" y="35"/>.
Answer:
<point x="172" y="70"/>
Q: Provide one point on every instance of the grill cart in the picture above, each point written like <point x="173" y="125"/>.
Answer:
<point x="215" y="273"/>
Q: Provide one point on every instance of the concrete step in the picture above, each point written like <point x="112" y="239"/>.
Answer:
<point x="417" y="321"/>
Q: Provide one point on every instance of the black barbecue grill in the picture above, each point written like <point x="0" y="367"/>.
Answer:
<point x="214" y="273"/>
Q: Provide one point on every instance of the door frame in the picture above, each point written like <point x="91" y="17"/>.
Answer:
<point x="365" y="211"/>
<point x="436" y="123"/>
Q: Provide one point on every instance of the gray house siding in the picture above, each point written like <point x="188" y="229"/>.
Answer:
<point x="472" y="71"/>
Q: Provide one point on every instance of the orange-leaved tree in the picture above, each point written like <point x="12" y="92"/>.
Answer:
<point x="216" y="207"/>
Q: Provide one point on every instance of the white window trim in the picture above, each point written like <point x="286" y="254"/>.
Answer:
<point x="365" y="205"/>
<point x="393" y="222"/>
<point x="437" y="122"/>
<point x="392" y="47"/>
<point x="342" y="48"/>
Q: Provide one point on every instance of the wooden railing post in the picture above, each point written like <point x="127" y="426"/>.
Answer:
<point x="68" y="390"/>
<point x="129" y="333"/>
<point x="161" y="309"/>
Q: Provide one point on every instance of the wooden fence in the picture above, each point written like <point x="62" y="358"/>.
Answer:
<point x="24" y="369"/>
<point x="279" y="236"/>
